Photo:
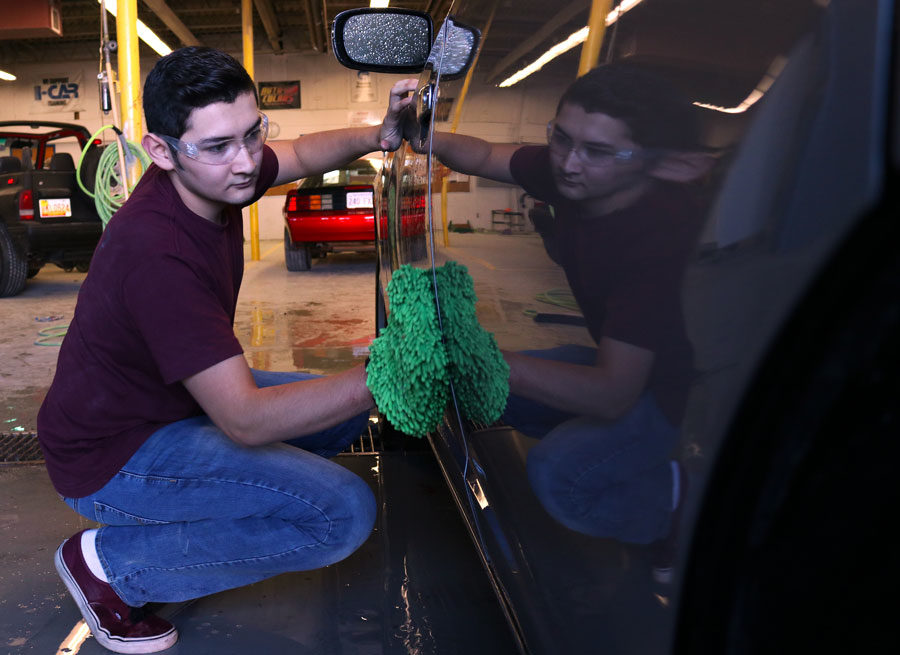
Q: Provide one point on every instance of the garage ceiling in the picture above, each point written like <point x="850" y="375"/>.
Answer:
<point x="280" y="26"/>
<point x="724" y="36"/>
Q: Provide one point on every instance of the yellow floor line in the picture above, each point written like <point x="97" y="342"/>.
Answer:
<point x="483" y="262"/>
<point x="262" y="256"/>
<point x="270" y="250"/>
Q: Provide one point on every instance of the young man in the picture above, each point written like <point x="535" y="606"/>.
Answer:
<point x="154" y="425"/>
<point x="620" y="151"/>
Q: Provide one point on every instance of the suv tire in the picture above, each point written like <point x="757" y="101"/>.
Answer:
<point x="296" y="257"/>
<point x="13" y="266"/>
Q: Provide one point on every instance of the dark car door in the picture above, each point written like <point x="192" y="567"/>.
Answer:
<point x="791" y="97"/>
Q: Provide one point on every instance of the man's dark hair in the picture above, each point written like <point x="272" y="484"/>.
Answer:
<point x="655" y="111"/>
<point x="189" y="78"/>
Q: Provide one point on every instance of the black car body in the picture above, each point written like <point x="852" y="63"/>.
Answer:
<point x="44" y="215"/>
<point x="791" y="303"/>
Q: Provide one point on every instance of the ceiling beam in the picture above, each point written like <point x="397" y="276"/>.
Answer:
<point x="326" y="31"/>
<point x="438" y="9"/>
<point x="168" y="17"/>
<point x="315" y="36"/>
<point x="271" y="25"/>
<point x="560" y="19"/>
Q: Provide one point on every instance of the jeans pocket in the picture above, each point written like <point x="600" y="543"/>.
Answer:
<point x="110" y="515"/>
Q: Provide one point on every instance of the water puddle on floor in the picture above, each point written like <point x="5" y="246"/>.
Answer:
<point x="312" y="338"/>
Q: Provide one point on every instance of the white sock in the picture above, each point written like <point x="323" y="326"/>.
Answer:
<point x="89" y="552"/>
<point x="676" y="485"/>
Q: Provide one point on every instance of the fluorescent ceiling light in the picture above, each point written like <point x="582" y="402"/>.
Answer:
<point x="145" y="33"/>
<point x="574" y="39"/>
<point x="7" y="76"/>
<point x="762" y="86"/>
<point x="379" y="4"/>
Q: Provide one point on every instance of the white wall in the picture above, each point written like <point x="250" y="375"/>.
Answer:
<point x="515" y="115"/>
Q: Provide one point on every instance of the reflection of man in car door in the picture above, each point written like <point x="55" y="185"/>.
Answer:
<point x="620" y="150"/>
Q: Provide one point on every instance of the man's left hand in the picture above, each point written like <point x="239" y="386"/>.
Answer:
<point x="402" y="95"/>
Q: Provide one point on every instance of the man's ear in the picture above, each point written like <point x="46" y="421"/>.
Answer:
<point x="158" y="151"/>
<point x="676" y="166"/>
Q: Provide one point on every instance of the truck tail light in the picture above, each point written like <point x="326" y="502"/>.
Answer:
<point x="26" y="206"/>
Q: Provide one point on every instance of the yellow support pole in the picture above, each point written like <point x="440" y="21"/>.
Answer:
<point x="129" y="69"/>
<point x="129" y="80"/>
<point x="456" y="115"/>
<point x="247" y="34"/>
<point x="590" y="51"/>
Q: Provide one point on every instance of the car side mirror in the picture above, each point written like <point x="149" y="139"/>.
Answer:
<point x="454" y="49"/>
<point x="382" y="40"/>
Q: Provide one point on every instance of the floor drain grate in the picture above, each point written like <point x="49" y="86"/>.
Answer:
<point x="20" y="447"/>
<point x="369" y="442"/>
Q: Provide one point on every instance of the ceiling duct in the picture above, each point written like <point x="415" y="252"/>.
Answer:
<point x="34" y="19"/>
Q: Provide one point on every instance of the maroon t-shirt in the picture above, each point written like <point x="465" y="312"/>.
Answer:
<point x="625" y="269"/>
<point x="157" y="306"/>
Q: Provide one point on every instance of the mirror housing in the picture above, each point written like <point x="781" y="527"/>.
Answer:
<point x="382" y="40"/>
<point x="454" y="49"/>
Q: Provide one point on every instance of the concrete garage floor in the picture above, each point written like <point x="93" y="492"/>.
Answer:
<point x="416" y="586"/>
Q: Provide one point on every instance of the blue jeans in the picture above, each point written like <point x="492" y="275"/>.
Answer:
<point x="193" y="513"/>
<point x="602" y="478"/>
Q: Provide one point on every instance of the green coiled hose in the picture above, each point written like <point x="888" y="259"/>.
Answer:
<point x="108" y="178"/>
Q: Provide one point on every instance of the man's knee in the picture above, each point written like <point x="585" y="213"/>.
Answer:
<point x="351" y="518"/>
<point x="363" y="511"/>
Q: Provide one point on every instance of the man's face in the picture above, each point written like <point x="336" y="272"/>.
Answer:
<point x="580" y="169"/>
<point x="207" y="188"/>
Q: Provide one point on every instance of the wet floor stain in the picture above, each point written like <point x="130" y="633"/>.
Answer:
<point x="324" y="361"/>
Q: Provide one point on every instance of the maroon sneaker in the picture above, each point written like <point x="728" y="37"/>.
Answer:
<point x="115" y="625"/>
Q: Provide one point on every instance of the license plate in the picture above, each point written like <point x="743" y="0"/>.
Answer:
<point x="357" y="199"/>
<point x="55" y="207"/>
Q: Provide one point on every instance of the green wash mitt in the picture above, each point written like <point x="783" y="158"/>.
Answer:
<point x="478" y="371"/>
<point x="407" y="371"/>
<point x="410" y="367"/>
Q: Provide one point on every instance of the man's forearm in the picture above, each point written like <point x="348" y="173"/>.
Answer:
<point x="461" y="153"/>
<point x="253" y="416"/>
<point x="473" y="156"/>
<point x="300" y="408"/>
<point x="599" y="391"/>
<point x="325" y="151"/>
